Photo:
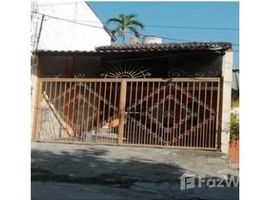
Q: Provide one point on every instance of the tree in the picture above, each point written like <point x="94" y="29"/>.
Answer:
<point x="124" y="25"/>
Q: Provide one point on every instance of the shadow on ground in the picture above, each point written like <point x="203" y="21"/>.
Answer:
<point x="99" y="166"/>
<point x="91" y="167"/>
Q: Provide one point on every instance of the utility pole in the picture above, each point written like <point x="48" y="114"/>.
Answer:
<point x="39" y="33"/>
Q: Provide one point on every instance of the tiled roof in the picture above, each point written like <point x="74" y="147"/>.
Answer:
<point x="190" y="46"/>
<point x="63" y="52"/>
<point x="164" y="47"/>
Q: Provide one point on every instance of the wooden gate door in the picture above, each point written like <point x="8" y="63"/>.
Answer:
<point x="180" y="112"/>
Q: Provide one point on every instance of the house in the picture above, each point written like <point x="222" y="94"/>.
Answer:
<point x="149" y="94"/>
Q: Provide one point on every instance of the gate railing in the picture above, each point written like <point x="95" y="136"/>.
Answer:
<point x="86" y="107"/>
<point x="181" y="112"/>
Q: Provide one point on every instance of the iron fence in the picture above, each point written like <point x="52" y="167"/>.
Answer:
<point x="178" y="112"/>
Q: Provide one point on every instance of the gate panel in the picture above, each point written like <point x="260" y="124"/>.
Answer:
<point x="181" y="112"/>
<point x="178" y="112"/>
<point x="79" y="110"/>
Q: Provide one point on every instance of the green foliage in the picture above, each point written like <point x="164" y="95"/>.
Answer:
<point x="234" y="125"/>
<point x="235" y="103"/>
<point x="124" y="25"/>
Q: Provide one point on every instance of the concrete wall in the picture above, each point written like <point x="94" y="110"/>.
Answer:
<point x="59" y="34"/>
<point x="227" y="64"/>
<point x="34" y="79"/>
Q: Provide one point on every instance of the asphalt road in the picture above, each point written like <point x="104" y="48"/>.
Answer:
<point x="64" y="171"/>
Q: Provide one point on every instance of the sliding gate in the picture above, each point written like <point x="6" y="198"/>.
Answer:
<point x="181" y="112"/>
<point x="176" y="112"/>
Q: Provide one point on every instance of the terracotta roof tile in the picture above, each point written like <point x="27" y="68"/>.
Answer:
<point x="164" y="47"/>
<point x="63" y="52"/>
<point x="190" y="46"/>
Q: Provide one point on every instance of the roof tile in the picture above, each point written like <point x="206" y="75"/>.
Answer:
<point x="190" y="46"/>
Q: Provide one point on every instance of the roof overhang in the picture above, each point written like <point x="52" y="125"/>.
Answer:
<point x="166" y="47"/>
<point x="174" y="48"/>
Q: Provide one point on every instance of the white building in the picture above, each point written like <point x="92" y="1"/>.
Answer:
<point x="67" y="26"/>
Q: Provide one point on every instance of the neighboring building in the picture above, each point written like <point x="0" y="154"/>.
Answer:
<point x="64" y="26"/>
<point x="69" y="26"/>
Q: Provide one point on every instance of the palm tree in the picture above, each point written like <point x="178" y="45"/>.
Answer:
<point x="124" y="25"/>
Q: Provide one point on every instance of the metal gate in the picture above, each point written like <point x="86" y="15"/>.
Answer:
<point x="143" y="112"/>
<point x="78" y="110"/>
<point x="181" y="112"/>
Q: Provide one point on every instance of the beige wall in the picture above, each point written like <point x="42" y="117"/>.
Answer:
<point x="34" y="77"/>
<point x="227" y="65"/>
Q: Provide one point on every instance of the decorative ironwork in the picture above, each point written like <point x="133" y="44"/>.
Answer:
<point x="208" y="73"/>
<point x="79" y="76"/>
<point x="83" y="107"/>
<point x="62" y="75"/>
<point x="199" y="74"/>
<point x="184" y="112"/>
<point x="176" y="73"/>
<point x="125" y="71"/>
<point x="178" y="114"/>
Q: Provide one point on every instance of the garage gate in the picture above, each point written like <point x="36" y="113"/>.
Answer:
<point x="177" y="112"/>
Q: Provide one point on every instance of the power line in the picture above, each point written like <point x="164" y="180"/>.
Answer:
<point x="154" y="26"/>
<point x="68" y="20"/>
<point x="100" y="27"/>
<point x="160" y="26"/>
<point x="180" y="27"/>
<point x="194" y="27"/>
<point x="60" y="3"/>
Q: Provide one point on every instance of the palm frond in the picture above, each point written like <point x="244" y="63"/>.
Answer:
<point x="116" y="20"/>
<point x="132" y="16"/>
<point x="135" y="31"/>
<point x="136" y="23"/>
<point x="123" y="24"/>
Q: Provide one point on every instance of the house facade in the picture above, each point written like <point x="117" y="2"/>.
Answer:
<point x="174" y="95"/>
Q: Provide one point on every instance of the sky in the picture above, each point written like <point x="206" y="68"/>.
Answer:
<point x="194" y="21"/>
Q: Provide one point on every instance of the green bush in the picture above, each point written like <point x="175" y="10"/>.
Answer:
<point x="235" y="103"/>
<point x="234" y="126"/>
